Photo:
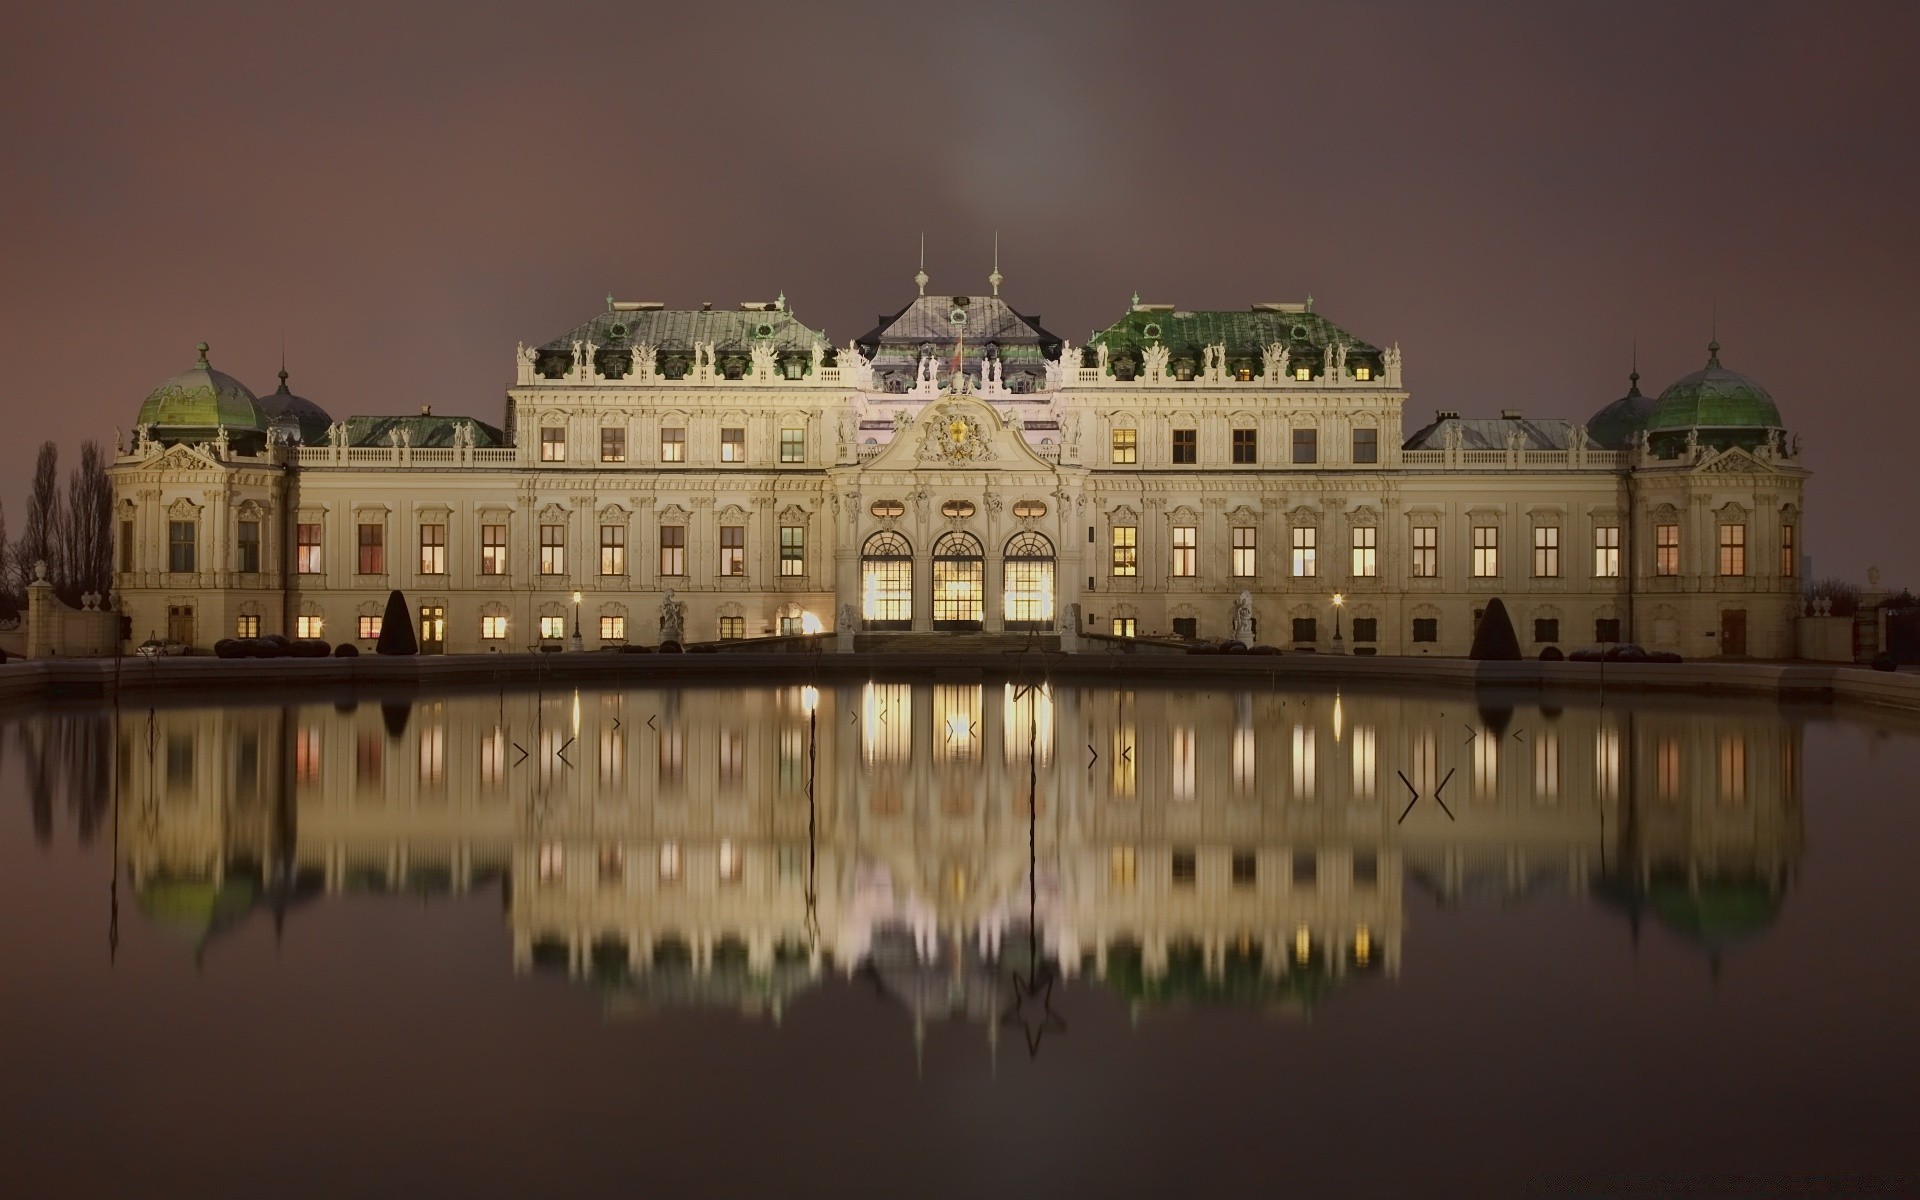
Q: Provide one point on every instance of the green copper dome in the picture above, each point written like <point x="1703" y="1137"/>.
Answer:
<point x="202" y="399"/>
<point x="283" y="406"/>
<point x="1618" y="424"/>
<point x="1714" y="398"/>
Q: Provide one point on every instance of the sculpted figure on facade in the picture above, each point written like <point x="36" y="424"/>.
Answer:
<point x="1391" y="363"/>
<point x="764" y="355"/>
<point x="1243" y="619"/>
<point x="1277" y="358"/>
<point x="856" y="371"/>
<point x="642" y="367"/>
<point x="591" y="366"/>
<point x="849" y="618"/>
<point x="1100" y="353"/>
<point x="523" y="357"/>
<point x="1693" y="445"/>
<point x="1155" y="358"/>
<point x="673" y="616"/>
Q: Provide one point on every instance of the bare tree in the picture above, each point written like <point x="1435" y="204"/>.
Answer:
<point x="40" y="540"/>
<point x="86" y="532"/>
<point x="9" y="603"/>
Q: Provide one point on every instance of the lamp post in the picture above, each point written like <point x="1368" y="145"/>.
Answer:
<point x="1339" y="643"/>
<point x="574" y="642"/>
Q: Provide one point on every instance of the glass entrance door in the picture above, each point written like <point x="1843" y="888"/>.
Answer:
<point x="959" y="583"/>
<point x="1029" y="592"/>
<point x="433" y="629"/>
<point x="886" y="582"/>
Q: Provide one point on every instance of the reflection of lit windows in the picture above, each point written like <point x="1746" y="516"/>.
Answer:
<point x="1667" y="768"/>
<point x="1306" y="869"/>
<point x="1606" y="762"/>
<point x="672" y="761"/>
<point x="1365" y="743"/>
<point x="1303" y="762"/>
<point x="1362" y="945"/>
<point x="886" y="723"/>
<point x="732" y="865"/>
<point x="1245" y="758"/>
<point x="1486" y="764"/>
<point x="1244" y="869"/>
<point x="306" y="755"/>
<point x="1125" y="766"/>
<point x="1122" y="867"/>
<point x="613" y="756"/>
<point x="613" y="866"/>
<point x="1733" y="769"/>
<point x="1546" y="766"/>
<point x="1186" y="868"/>
<point x="956" y="722"/>
<point x="493" y="758"/>
<point x="1028" y="724"/>
<point x="553" y="862"/>
<point x="368" y="752"/>
<point x="733" y="758"/>
<point x="670" y="865"/>
<point x="1425" y="763"/>
<point x="1183" y="763"/>
<point x="793" y="759"/>
<point x="1302" y="944"/>
<point x="433" y="755"/>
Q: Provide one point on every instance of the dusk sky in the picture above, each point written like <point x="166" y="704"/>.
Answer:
<point x="1514" y="193"/>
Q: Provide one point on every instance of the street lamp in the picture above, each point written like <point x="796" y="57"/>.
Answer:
<point x="1339" y="643"/>
<point x="574" y="642"/>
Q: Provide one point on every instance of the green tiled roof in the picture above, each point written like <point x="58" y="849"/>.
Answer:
<point x="673" y="332"/>
<point x="201" y="398"/>
<point x="1715" y="398"/>
<point x="1247" y="334"/>
<point x="426" y="430"/>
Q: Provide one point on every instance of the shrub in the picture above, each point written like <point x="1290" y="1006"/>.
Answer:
<point x="1663" y="656"/>
<point x="396" y="628"/>
<point x="308" y="648"/>
<point x="1626" y="652"/>
<point x="1494" y="640"/>
<point x="346" y="650"/>
<point x="1267" y="650"/>
<point x="1883" y="661"/>
<point x="271" y="646"/>
<point x="671" y="647"/>
<point x="229" y="648"/>
<point x="1551" y="654"/>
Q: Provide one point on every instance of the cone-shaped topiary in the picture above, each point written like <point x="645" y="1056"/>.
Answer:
<point x="1494" y="641"/>
<point x="396" y="628"/>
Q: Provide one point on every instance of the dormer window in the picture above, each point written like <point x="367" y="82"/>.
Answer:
<point x="1363" y="373"/>
<point x="794" y="366"/>
<point x="1244" y="374"/>
<point x="1303" y="374"/>
<point x="1183" y="370"/>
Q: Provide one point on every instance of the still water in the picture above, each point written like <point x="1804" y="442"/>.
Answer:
<point x="953" y="939"/>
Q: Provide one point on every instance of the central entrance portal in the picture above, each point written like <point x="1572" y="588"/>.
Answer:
<point x="1029" y="565"/>
<point x="959" y="583"/>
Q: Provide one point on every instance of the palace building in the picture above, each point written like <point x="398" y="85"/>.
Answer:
<point x="957" y="469"/>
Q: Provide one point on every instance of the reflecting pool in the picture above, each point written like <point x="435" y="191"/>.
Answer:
<point x="954" y="938"/>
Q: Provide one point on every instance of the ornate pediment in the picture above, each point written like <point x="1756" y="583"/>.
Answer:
<point x="1366" y="514"/>
<point x="957" y="432"/>
<point x="183" y="509"/>
<point x="553" y="514"/>
<point x="1303" y="516"/>
<point x="182" y="458"/>
<point x="954" y="436"/>
<point x="1733" y="462"/>
<point x="793" y="514"/>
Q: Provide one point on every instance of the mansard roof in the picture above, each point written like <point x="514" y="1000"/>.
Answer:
<point x="988" y="319"/>
<point x="675" y="331"/>
<point x="1549" y="434"/>
<point x="1247" y="334"/>
<point x="423" y="430"/>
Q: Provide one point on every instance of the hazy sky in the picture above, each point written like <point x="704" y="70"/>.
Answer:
<point x="1514" y="193"/>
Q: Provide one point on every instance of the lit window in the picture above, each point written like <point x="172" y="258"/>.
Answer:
<point x="733" y="445"/>
<point x="613" y="549"/>
<point x="373" y="550"/>
<point x="1246" y="446"/>
<point x="553" y="443"/>
<point x="306" y="543"/>
<point x="1126" y="550"/>
<point x="1486" y="551"/>
<point x="552" y="628"/>
<point x="553" y="549"/>
<point x="1305" y="551"/>
<point x="1666" y="550"/>
<point x="493" y="627"/>
<point x="433" y="549"/>
<point x="1244" y="562"/>
<point x="1426" y="552"/>
<point x="1306" y="445"/>
<point x="1606" y="552"/>
<point x="247" y="548"/>
<point x="307" y="626"/>
<point x="1366" y="445"/>
<point x="673" y="445"/>
<point x="1363" y="373"/>
<point x="793" y="445"/>
<point x="1123" y="627"/>
<point x="673" y="550"/>
<point x="369" y="627"/>
<point x="733" y="549"/>
<point x="1184" y="550"/>
<point x="1366" y="550"/>
<point x="793" y="551"/>
<point x="1030" y="510"/>
<point x="732" y="629"/>
<point x="1546" y="552"/>
<point x="613" y="444"/>
<point x="493" y="549"/>
<point x="247" y="625"/>
<point x="1186" y="446"/>
<point x="1126" y="446"/>
<point x="1733" y="549"/>
<point x="1303" y="374"/>
<point x="1786" y="552"/>
<point x="613" y="629"/>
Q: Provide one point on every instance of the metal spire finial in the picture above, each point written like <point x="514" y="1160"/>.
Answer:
<point x="1633" y="376"/>
<point x="920" y="277"/>
<point x="996" y="277"/>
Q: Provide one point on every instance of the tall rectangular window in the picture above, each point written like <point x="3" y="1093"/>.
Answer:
<point x="1244" y="564"/>
<point x="1185" y="541"/>
<point x="493" y="549"/>
<point x="370" y="627"/>
<point x="126" y="546"/>
<point x="1306" y="445"/>
<point x="1426" y="552"/>
<point x="673" y="445"/>
<point x="613" y="628"/>
<point x="553" y="627"/>
<point x="732" y="629"/>
<point x="793" y="551"/>
<point x="613" y="549"/>
<point x="1366" y="445"/>
<point x="1366" y="551"/>
<point x="306" y="549"/>
<point x="1186" y="446"/>
<point x="673" y="550"/>
<point x="793" y="445"/>
<point x="613" y="444"/>
<point x="1666" y="550"/>
<point x="1546" y="552"/>
<point x="433" y="549"/>
<point x="1246" y="446"/>
<point x="733" y="445"/>
<point x="247" y="548"/>
<point x="1123" y="627"/>
<point x="373" y="550"/>
<point x="1486" y="551"/>
<point x="1126" y="446"/>
<point x="246" y="625"/>
<point x="308" y="626"/>
<point x="553" y="549"/>
<point x="733" y="549"/>
<point x="1786" y="552"/>
<point x="1305" y="551"/>
<point x="1733" y="549"/>
<point x="180" y="545"/>
<point x="493" y="627"/>
<point x="1126" y="550"/>
<point x="1606" y="552"/>
<point x="553" y="443"/>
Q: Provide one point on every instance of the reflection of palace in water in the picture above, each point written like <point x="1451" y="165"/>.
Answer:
<point x="1186" y="845"/>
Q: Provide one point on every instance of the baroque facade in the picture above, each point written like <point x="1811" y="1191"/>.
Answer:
<point x="733" y="474"/>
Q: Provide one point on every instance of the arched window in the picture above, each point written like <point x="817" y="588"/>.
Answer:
<point x="886" y="582"/>
<point x="959" y="582"/>
<point x="1029" y="581"/>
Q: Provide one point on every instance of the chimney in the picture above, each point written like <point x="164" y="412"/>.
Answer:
<point x="1445" y="414"/>
<point x="1509" y="414"/>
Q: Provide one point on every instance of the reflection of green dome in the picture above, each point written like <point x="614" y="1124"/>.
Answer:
<point x="1618" y="424"/>
<point x="1242" y="982"/>
<point x="1718" y="913"/>
<point x="201" y="399"/>
<point x="1714" y="398"/>
<point x="195" y="908"/>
